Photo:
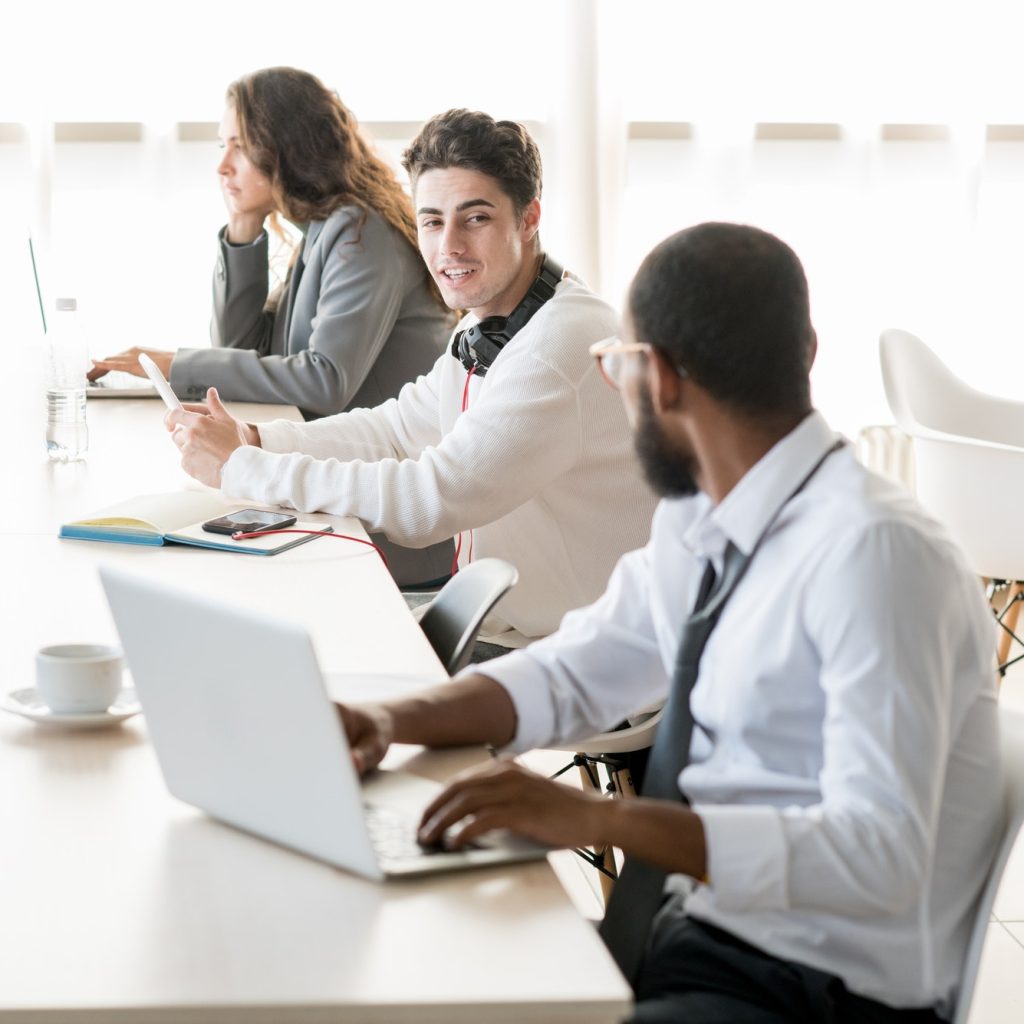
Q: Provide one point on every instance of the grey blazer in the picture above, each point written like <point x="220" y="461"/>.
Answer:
<point x="356" y="321"/>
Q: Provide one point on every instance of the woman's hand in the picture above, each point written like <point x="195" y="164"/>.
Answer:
<point x="244" y="228"/>
<point x="128" y="361"/>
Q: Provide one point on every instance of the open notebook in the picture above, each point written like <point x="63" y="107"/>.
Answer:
<point x="177" y="518"/>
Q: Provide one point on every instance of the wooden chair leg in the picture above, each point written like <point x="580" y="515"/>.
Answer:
<point x="1010" y="621"/>
<point x="607" y="884"/>
<point x="622" y="779"/>
<point x="589" y="776"/>
<point x="621" y="786"/>
<point x="605" y="856"/>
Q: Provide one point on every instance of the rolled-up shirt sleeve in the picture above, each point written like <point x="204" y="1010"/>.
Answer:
<point x="602" y="665"/>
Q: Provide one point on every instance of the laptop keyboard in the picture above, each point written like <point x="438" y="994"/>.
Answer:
<point x="119" y="380"/>
<point x="393" y="835"/>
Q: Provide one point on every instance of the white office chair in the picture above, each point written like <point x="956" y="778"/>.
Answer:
<point x="925" y="395"/>
<point x="888" y="450"/>
<point x="968" y="465"/>
<point x="1012" y="727"/>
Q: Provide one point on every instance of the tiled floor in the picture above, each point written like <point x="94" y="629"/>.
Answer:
<point x="999" y="996"/>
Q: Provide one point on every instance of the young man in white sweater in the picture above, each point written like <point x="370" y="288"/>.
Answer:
<point x="511" y="444"/>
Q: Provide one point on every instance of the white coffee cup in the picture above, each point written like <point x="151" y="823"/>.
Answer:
<point x="78" y="678"/>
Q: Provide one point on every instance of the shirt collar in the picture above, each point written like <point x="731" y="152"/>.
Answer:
<point x="748" y="509"/>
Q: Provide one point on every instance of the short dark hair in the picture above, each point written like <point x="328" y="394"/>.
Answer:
<point x="728" y="304"/>
<point x="503" y="150"/>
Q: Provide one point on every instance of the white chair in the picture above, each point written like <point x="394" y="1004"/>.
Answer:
<point x="1012" y="728"/>
<point x="968" y="463"/>
<point x="925" y="395"/>
<point x="888" y="450"/>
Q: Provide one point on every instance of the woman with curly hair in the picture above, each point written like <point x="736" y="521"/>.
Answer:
<point x="357" y="315"/>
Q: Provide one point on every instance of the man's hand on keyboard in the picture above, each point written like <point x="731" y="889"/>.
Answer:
<point x="504" y="795"/>
<point x="370" y="730"/>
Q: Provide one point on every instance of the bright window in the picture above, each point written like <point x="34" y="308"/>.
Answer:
<point x="854" y="131"/>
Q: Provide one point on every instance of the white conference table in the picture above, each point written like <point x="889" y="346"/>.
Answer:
<point x="119" y="903"/>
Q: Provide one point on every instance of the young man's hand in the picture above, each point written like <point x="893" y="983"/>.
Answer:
<point x="207" y="435"/>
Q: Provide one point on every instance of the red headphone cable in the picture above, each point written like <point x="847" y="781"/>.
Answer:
<point x="316" y="533"/>
<point x="458" y="540"/>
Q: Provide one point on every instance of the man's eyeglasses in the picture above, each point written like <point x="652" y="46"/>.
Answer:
<point x="611" y="358"/>
<point x="612" y="362"/>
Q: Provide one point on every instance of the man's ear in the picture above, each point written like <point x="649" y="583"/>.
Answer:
<point x="531" y="219"/>
<point x="665" y="384"/>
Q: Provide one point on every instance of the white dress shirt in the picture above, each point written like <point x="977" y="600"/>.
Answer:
<point x="539" y="466"/>
<point x="845" y="759"/>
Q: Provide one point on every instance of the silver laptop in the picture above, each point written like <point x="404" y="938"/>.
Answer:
<point x="243" y="729"/>
<point x="116" y="384"/>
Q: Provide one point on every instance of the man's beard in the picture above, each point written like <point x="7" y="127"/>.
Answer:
<point x="668" y="472"/>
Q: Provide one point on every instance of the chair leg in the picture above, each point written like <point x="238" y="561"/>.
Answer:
<point x="1007" y="618"/>
<point x="625" y="776"/>
<point x="588" y="772"/>
<point x="1005" y="639"/>
<point x="602" y="858"/>
<point x="607" y="882"/>
<point x="622" y="779"/>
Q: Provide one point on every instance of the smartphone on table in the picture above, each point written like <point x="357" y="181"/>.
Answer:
<point x="249" y="520"/>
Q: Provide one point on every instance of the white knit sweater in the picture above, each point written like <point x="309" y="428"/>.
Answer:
<point x="540" y="467"/>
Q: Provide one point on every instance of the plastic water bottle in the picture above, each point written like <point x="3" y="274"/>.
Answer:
<point x="67" y="436"/>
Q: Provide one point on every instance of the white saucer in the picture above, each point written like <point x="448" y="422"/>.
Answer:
<point x="27" y="704"/>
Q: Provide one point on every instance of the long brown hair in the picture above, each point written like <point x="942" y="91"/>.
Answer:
<point x="307" y="143"/>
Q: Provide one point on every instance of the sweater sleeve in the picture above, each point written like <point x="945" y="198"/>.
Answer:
<point x="521" y="432"/>
<point x="602" y="665"/>
<point x="399" y="428"/>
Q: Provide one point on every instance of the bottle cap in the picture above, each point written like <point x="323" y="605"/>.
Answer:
<point x="67" y="304"/>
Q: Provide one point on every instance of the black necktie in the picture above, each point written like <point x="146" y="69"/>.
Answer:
<point x="638" y="892"/>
